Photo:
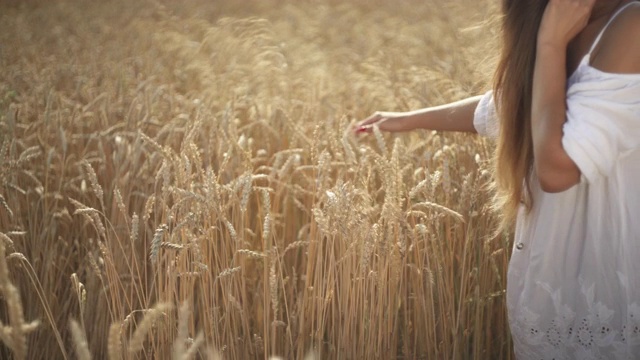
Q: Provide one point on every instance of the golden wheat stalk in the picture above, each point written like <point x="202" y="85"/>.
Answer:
<point x="79" y="341"/>
<point x="150" y="319"/>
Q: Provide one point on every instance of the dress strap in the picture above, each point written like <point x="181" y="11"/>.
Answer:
<point x="595" y="43"/>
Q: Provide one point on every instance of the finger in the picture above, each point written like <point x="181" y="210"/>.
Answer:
<point x="371" y="119"/>
<point x="588" y="3"/>
<point x="365" y="125"/>
<point x="363" y="129"/>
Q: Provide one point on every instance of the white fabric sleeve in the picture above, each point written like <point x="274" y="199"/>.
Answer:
<point x="603" y="122"/>
<point x="485" y="119"/>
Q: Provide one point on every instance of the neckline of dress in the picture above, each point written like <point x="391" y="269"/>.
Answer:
<point x="586" y="63"/>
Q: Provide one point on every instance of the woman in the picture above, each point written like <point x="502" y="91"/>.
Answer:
<point x="566" y="114"/>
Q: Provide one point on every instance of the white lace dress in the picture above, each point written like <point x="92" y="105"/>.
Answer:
<point x="574" y="277"/>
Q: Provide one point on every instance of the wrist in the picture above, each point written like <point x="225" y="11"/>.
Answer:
<point x="551" y="50"/>
<point x="555" y="45"/>
<point x="409" y="120"/>
<point x="419" y="119"/>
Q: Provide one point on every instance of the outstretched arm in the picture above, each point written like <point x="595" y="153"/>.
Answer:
<point x="456" y="116"/>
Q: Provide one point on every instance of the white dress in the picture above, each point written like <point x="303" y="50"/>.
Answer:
<point x="574" y="276"/>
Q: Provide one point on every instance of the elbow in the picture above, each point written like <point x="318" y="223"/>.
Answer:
<point x="558" y="178"/>
<point x="552" y="184"/>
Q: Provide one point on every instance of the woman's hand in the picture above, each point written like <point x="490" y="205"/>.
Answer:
<point x="563" y="20"/>
<point x="386" y="121"/>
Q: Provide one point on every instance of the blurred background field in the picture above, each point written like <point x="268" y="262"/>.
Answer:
<point x="177" y="180"/>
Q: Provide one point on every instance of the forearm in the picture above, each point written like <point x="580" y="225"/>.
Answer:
<point x="456" y="116"/>
<point x="555" y="169"/>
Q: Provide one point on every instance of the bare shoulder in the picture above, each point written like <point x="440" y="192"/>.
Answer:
<point x="620" y="46"/>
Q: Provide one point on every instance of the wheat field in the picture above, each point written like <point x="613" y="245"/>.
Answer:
<point x="178" y="181"/>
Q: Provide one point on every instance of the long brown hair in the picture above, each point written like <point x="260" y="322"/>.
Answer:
<point x="513" y="87"/>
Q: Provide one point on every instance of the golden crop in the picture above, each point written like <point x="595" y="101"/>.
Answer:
<point x="179" y="181"/>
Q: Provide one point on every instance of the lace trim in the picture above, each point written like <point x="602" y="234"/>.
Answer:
<point x="591" y="335"/>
